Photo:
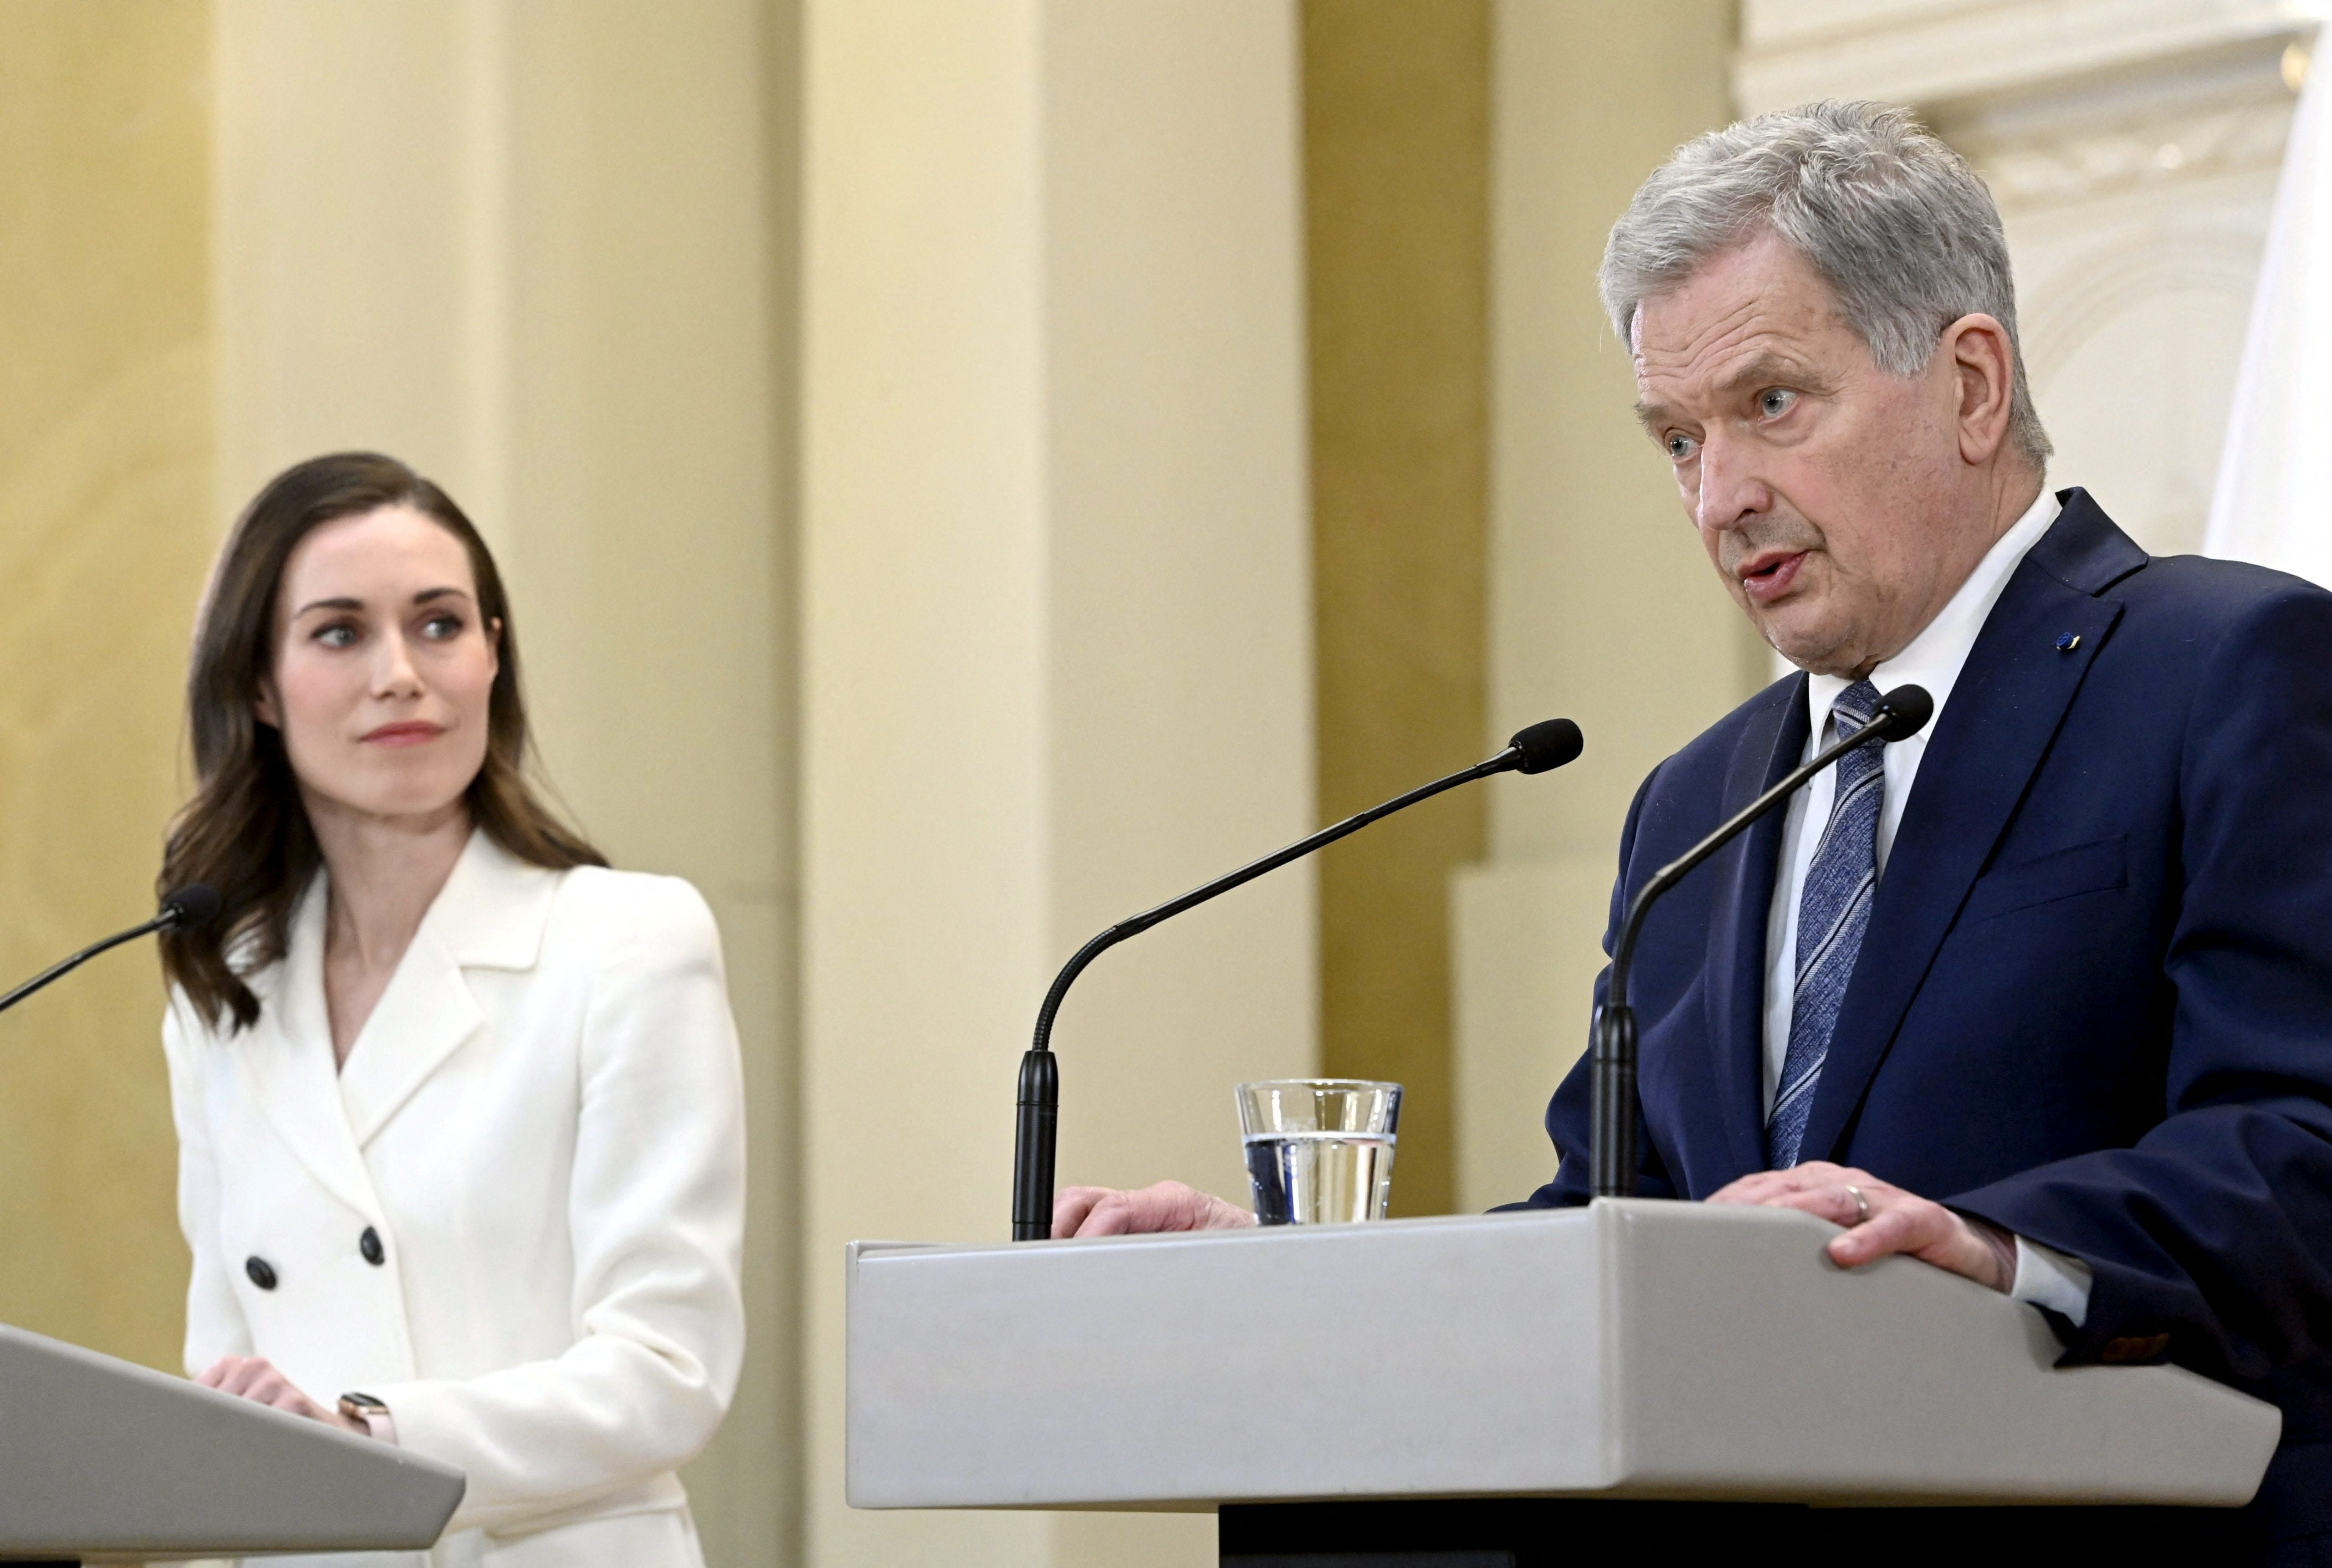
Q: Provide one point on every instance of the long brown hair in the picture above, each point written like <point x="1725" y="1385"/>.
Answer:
<point x="245" y="832"/>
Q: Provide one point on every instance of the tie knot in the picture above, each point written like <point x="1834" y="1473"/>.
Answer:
<point x="1855" y="707"/>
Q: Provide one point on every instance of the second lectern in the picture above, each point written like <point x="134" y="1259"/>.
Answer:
<point x="1633" y="1350"/>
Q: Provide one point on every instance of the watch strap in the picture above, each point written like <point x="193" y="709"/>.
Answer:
<point x="365" y="1407"/>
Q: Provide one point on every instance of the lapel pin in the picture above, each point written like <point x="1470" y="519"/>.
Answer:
<point x="2069" y="641"/>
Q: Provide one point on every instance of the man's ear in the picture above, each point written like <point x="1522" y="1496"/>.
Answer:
<point x="1984" y="367"/>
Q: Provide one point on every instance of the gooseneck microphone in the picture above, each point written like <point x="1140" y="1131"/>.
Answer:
<point x="1902" y="712"/>
<point x="196" y="903"/>
<point x="1541" y="747"/>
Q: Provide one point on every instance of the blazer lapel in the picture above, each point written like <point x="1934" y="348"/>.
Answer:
<point x="2003" y="711"/>
<point x="287" y="1058"/>
<point x="1735" y="992"/>
<point x="422" y="1019"/>
<point x="490" y="914"/>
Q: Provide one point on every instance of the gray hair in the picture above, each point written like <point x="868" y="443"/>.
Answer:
<point x="1894" y="220"/>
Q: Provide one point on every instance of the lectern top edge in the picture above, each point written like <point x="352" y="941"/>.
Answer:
<point x="1303" y="1234"/>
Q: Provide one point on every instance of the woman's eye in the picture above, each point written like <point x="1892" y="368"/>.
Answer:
<point x="1775" y="401"/>
<point x="1680" y="448"/>
<point x="339" y="635"/>
<point x="442" y="628"/>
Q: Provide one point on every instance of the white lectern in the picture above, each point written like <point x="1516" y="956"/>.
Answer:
<point x="1634" y="1349"/>
<point x="102" y="1459"/>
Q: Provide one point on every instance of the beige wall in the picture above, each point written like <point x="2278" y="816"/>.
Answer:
<point x="104" y="482"/>
<point x="363" y="231"/>
<point x="532" y="249"/>
<point x="1602" y="606"/>
<point x="1058" y="640"/>
<point x="1396" y="147"/>
<point x="1056" y="631"/>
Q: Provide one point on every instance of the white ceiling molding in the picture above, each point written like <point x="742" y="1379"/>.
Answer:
<point x="1921" y="51"/>
<point x="2170" y="122"/>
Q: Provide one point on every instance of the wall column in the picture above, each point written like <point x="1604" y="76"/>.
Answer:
<point x="1057" y="633"/>
<point x="1603" y="606"/>
<point x="1396" y="107"/>
<point x="105" y="434"/>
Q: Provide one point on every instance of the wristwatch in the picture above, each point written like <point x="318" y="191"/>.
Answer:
<point x="370" y="1411"/>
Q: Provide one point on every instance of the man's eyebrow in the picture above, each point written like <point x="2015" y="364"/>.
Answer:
<point x="1765" y="370"/>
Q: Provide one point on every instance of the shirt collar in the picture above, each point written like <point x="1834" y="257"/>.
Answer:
<point x="1934" y="657"/>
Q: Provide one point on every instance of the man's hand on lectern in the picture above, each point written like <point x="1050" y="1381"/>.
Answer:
<point x="1163" y="1206"/>
<point x="1881" y="1219"/>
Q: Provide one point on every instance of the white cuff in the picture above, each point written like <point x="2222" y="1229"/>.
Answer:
<point x="2047" y="1277"/>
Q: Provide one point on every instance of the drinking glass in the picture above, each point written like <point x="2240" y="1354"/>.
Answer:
<point x="1319" y="1151"/>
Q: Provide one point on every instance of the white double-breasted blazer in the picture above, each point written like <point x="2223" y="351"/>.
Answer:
<point x="514" y="1217"/>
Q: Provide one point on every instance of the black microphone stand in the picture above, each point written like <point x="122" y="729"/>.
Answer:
<point x="1612" y="1075"/>
<point x="1545" y="745"/>
<point x="191" y="905"/>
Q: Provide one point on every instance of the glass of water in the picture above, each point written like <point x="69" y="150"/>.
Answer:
<point x="1319" y="1149"/>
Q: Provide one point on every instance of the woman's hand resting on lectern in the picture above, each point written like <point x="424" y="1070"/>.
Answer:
<point x="254" y="1378"/>
<point x="1162" y="1206"/>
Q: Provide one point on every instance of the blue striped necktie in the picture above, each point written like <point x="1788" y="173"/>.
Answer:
<point x="1834" y="912"/>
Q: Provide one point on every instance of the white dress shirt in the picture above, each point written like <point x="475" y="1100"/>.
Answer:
<point x="2044" y="1277"/>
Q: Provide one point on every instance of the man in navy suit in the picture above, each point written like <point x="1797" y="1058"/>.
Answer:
<point x="2042" y="997"/>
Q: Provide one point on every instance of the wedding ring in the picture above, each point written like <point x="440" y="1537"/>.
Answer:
<point x="1861" y="1204"/>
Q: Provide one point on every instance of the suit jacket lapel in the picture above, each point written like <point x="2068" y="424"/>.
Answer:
<point x="2003" y="711"/>
<point x="422" y="1019"/>
<point x="490" y="914"/>
<point x="1736" y="993"/>
<point x="287" y="1058"/>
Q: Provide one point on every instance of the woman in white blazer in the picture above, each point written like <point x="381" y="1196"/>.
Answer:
<point x="459" y="1110"/>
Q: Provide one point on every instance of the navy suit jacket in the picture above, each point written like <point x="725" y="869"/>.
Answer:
<point x="2094" y="1003"/>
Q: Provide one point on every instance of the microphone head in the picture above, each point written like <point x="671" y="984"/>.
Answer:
<point x="196" y="903"/>
<point x="1904" y="713"/>
<point x="1548" y="745"/>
